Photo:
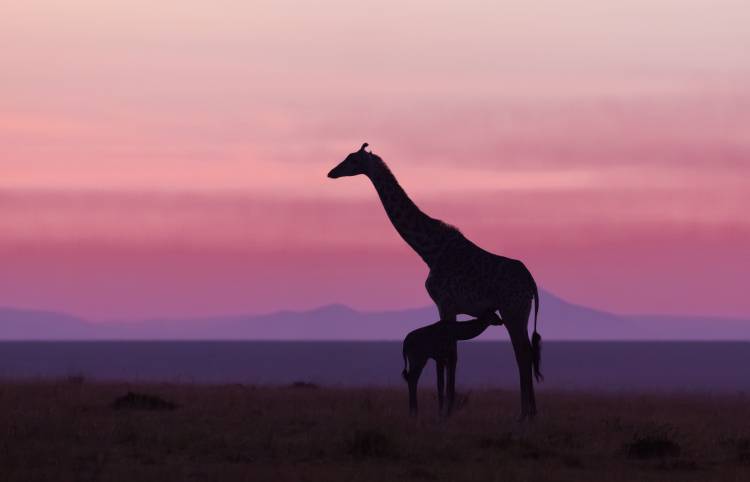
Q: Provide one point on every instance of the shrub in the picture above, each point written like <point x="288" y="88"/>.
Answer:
<point x="658" y="444"/>
<point x="141" y="401"/>
<point x="370" y="443"/>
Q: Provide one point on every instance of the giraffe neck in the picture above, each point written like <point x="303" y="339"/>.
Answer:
<point x="424" y="234"/>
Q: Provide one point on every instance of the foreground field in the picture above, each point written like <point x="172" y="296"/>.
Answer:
<point x="76" y="430"/>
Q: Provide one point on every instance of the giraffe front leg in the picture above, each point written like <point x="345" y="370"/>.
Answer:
<point x="492" y="318"/>
<point x="440" y="369"/>
<point x="451" y="392"/>
<point x="447" y="314"/>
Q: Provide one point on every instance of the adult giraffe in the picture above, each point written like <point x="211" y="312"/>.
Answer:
<point x="464" y="278"/>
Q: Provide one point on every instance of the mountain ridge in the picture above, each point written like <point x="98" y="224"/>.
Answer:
<point x="558" y="320"/>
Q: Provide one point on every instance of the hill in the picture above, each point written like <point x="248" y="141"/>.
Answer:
<point x="558" y="320"/>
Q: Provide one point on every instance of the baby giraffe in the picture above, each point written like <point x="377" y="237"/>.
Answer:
<point x="438" y="341"/>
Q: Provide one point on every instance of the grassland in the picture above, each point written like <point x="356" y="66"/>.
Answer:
<point x="71" y="430"/>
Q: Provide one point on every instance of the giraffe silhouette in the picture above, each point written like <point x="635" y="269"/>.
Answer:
<point x="438" y="342"/>
<point x="463" y="278"/>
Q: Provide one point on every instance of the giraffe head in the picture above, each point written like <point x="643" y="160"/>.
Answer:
<point x="354" y="164"/>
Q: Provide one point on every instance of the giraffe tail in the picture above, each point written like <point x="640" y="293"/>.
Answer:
<point x="536" y="338"/>
<point x="536" y="353"/>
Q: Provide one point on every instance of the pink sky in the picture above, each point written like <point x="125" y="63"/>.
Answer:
<point x="161" y="160"/>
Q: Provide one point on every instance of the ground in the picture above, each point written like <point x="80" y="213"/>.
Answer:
<point x="80" y="430"/>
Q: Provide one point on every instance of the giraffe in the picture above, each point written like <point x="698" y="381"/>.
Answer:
<point x="438" y="341"/>
<point x="463" y="278"/>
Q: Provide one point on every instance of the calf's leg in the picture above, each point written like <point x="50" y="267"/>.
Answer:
<point x="415" y="370"/>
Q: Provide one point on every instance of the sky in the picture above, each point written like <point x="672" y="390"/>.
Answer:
<point x="169" y="159"/>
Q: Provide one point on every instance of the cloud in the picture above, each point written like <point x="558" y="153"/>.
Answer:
<point x="237" y="219"/>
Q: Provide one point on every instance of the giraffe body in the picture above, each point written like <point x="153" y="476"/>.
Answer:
<point x="474" y="282"/>
<point x="463" y="278"/>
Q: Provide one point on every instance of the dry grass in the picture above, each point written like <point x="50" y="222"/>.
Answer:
<point x="70" y="430"/>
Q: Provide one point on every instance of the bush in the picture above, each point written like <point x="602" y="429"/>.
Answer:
<point x="370" y="443"/>
<point x="141" y="401"/>
<point x="658" y="444"/>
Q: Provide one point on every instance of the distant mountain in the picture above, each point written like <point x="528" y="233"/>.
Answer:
<point x="558" y="320"/>
<point x="17" y="324"/>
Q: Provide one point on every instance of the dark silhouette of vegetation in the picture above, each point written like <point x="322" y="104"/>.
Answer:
<point x="142" y="401"/>
<point x="63" y="431"/>
<point x="306" y="385"/>
<point x="371" y="443"/>
<point x="654" y="445"/>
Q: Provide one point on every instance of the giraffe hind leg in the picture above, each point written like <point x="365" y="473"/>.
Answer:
<point x="516" y="322"/>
